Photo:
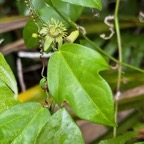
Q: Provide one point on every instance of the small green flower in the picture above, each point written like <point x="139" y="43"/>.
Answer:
<point x="53" y="33"/>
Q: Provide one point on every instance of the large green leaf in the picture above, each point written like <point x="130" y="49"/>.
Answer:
<point x="7" y="97"/>
<point x="8" y="86"/>
<point x="73" y="77"/>
<point x="60" y="129"/>
<point x="120" y="139"/>
<point x="6" y="75"/>
<point x="21" y="124"/>
<point x="86" y="3"/>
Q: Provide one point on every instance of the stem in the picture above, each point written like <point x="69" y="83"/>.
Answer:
<point x="120" y="66"/>
<point x="109" y="56"/>
<point x="62" y="16"/>
<point x="53" y="107"/>
<point x="119" y="44"/>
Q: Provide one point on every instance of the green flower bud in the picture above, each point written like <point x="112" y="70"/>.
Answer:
<point x="35" y="35"/>
<point x="43" y="83"/>
<point x="47" y="44"/>
<point x="73" y="36"/>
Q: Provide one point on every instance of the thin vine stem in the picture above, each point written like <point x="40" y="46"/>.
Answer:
<point x="71" y="23"/>
<point x="109" y="56"/>
<point x="119" y="43"/>
<point x="118" y="93"/>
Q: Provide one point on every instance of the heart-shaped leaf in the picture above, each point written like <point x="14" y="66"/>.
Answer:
<point x="86" y="3"/>
<point x="22" y="123"/>
<point x="73" y="77"/>
<point x="6" y="75"/>
<point x="120" y="139"/>
<point x="60" y="129"/>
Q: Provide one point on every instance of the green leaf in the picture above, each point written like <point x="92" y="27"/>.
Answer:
<point x="22" y="123"/>
<point x="120" y="139"/>
<point x="60" y="129"/>
<point x="6" y="75"/>
<point x="73" y="77"/>
<point x="7" y="97"/>
<point x="86" y="3"/>
<point x="28" y="31"/>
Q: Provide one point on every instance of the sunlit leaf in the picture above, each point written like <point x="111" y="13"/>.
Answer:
<point x="60" y="129"/>
<point x="7" y="97"/>
<point x="22" y="123"/>
<point x="6" y="75"/>
<point x="73" y="77"/>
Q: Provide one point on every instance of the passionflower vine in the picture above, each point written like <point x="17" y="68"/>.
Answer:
<point x="53" y="33"/>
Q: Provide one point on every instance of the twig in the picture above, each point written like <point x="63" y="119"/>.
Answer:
<point x="13" y="47"/>
<point x="111" y="27"/>
<point x="9" y="24"/>
<point x="32" y="55"/>
<point x="20" y="74"/>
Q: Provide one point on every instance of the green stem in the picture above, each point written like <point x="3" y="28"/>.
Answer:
<point x="119" y="43"/>
<point x="53" y="107"/>
<point x="62" y="16"/>
<point x="109" y="56"/>
<point x="120" y="60"/>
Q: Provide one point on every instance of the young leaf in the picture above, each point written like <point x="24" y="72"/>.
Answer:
<point x="86" y="3"/>
<point x="22" y="123"/>
<point x="120" y="139"/>
<point x="6" y="75"/>
<point x="60" y="129"/>
<point x="73" y="77"/>
<point x="28" y="32"/>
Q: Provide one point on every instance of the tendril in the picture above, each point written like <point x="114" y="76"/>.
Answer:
<point x="35" y="15"/>
<point x="111" y="27"/>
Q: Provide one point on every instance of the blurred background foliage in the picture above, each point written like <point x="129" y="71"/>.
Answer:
<point x="13" y="18"/>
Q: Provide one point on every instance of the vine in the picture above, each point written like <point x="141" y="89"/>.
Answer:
<point x="34" y="15"/>
<point x="118" y="93"/>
